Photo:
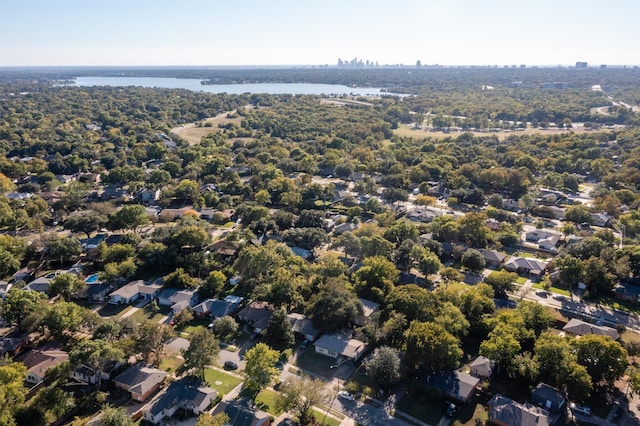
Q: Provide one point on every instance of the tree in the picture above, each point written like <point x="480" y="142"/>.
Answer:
<point x="502" y="282"/>
<point x="66" y="285"/>
<point x="95" y="354"/>
<point x="401" y="231"/>
<point x="427" y="262"/>
<point x="429" y="345"/>
<point x="180" y="279"/>
<point x="202" y="351"/>
<point x="278" y="333"/>
<point x="348" y="242"/>
<point x="578" y="213"/>
<point x="376" y="245"/>
<point x="384" y="367"/>
<point x="183" y="317"/>
<point x="502" y="345"/>
<point x="6" y="184"/>
<point x="260" y="367"/>
<point x="62" y="249"/>
<point x="150" y="340"/>
<point x="334" y="307"/>
<point x="571" y="269"/>
<point x="63" y="317"/>
<point x="376" y="278"/>
<point x="473" y="260"/>
<point x="153" y="255"/>
<point x="115" y="416"/>
<point x="21" y="303"/>
<point x="12" y="390"/>
<point x="604" y="358"/>
<point x="129" y="217"/>
<point x="192" y="236"/>
<point x="87" y="222"/>
<point x="206" y="419"/>
<point x="300" y="395"/>
<point x="213" y="284"/>
<point x="414" y="302"/>
<point x="224" y="327"/>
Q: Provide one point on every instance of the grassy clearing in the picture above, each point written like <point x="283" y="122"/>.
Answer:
<point x="221" y="381"/>
<point x="315" y="363"/>
<point x="471" y="415"/>
<point x="552" y="289"/>
<point x="146" y="314"/>
<point x="328" y="421"/>
<point x="521" y="280"/>
<point x="109" y="310"/>
<point x="421" y="407"/>
<point x="170" y="362"/>
<point x="620" y="305"/>
<point x="266" y="401"/>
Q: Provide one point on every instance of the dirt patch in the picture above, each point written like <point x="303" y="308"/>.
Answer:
<point x="194" y="132"/>
<point x="406" y="131"/>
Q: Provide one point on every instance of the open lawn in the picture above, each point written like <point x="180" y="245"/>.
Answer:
<point x="146" y="314"/>
<point x="221" y="381"/>
<point x="266" y="401"/>
<point x="471" y="414"/>
<point x="620" y="305"/>
<point x="404" y="130"/>
<point x="170" y="362"/>
<point x="315" y="363"/>
<point x="193" y="134"/>
<point x="552" y="289"/>
<point x="194" y="325"/>
<point x="328" y="421"/>
<point x="421" y="407"/>
<point x="109" y="310"/>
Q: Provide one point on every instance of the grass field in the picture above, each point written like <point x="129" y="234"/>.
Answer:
<point x="315" y="363"/>
<point x="109" y="310"/>
<point x="404" y="130"/>
<point x="328" y="421"/>
<point x="552" y="289"/>
<point x="221" y="381"/>
<point x="471" y="414"/>
<point x="421" y="408"/>
<point x="170" y="362"/>
<point x="147" y="315"/>
<point x="266" y="401"/>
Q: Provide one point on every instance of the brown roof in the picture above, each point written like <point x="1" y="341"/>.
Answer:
<point x="38" y="362"/>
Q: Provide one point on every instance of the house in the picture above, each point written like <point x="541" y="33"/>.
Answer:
<point x="148" y="196"/>
<point x="303" y="253"/>
<point x="207" y="213"/>
<point x="4" y="289"/>
<point x="133" y="291"/>
<point x="177" y="299"/>
<point x="215" y="308"/>
<point x="188" y="393"/>
<point x="549" y="398"/>
<point x="492" y="224"/>
<point x="243" y="412"/>
<point x="627" y="292"/>
<point x="140" y="381"/>
<point x="580" y="328"/>
<point x="344" y="227"/>
<point x="454" y="385"/>
<point x="303" y="326"/>
<point x="504" y="411"/>
<point x="85" y="374"/>
<point x="550" y="243"/>
<point x="39" y="362"/>
<point x="483" y="368"/>
<point x="601" y="219"/>
<point x="340" y="344"/>
<point x="97" y="292"/>
<point x="537" y="235"/>
<point x="493" y="258"/>
<point x="256" y="314"/>
<point x="41" y="284"/>
<point x="369" y="308"/>
<point x="422" y="214"/>
<point x="12" y="344"/>
<point x="527" y="266"/>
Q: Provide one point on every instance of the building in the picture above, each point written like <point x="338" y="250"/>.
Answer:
<point x="140" y="381"/>
<point x="177" y="299"/>
<point x="483" y="368"/>
<point x="257" y="315"/>
<point x="242" y="412"/>
<point x="627" y="292"/>
<point x="454" y="385"/>
<point x="580" y="328"/>
<point x="133" y="291"/>
<point x="303" y="326"/>
<point x="493" y="258"/>
<point x="188" y="394"/>
<point x="368" y="308"/>
<point x="504" y="411"/>
<point x="39" y="362"/>
<point x="340" y="344"/>
<point x="526" y="266"/>
<point x="215" y="308"/>
<point x="549" y="398"/>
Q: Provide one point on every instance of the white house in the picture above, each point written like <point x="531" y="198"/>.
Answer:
<point x="133" y="291"/>
<point x="340" y="345"/>
<point x="188" y="394"/>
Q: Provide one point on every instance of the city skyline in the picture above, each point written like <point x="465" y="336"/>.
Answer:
<point x="286" y="32"/>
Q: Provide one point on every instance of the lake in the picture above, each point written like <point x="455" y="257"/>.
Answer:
<point x="234" y="89"/>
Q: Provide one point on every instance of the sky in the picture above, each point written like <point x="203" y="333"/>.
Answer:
<point x="318" y="32"/>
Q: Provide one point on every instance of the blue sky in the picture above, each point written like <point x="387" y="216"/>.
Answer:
<point x="309" y="32"/>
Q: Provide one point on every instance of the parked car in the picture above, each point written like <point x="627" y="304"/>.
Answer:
<point x="346" y="395"/>
<point x="582" y="409"/>
<point x="230" y="365"/>
<point x="304" y="344"/>
<point x="451" y="409"/>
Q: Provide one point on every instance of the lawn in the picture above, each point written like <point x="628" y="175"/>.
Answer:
<point x="147" y="315"/>
<point x="110" y="310"/>
<point x="315" y="363"/>
<point x="328" y="421"/>
<point x="620" y="305"/>
<point x="421" y="408"/>
<point x="194" y="325"/>
<point x="471" y="414"/>
<point x="552" y="289"/>
<point x="521" y="280"/>
<point x="221" y="381"/>
<point x="266" y="401"/>
<point x="170" y="362"/>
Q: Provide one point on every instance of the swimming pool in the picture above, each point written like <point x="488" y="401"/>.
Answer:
<point x="91" y="279"/>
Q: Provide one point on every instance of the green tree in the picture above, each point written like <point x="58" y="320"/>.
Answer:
<point x="376" y="278"/>
<point x="206" y="419"/>
<point x="278" y="333"/>
<point x="86" y="222"/>
<point x="427" y="262"/>
<point x="473" y="260"/>
<point x="63" y="317"/>
<point x="12" y="390"/>
<point x="502" y="346"/>
<point x="348" y="242"/>
<point x="180" y="279"/>
<point x="300" y="395"/>
<point x="260" y="367"/>
<point x="115" y="416"/>
<point x="334" y="307"/>
<point x="224" y="327"/>
<point x="183" y="318"/>
<point x="95" y="354"/>
<point x="262" y="197"/>
<point x="66" y="285"/>
<point x="502" y="282"/>
<point x="129" y="217"/>
<point x="21" y="303"/>
<point x="578" y="213"/>
<point x="429" y="345"/>
<point x="604" y="358"/>
<point x="384" y="367"/>
<point x="193" y="236"/>
<point x="202" y="351"/>
<point x="150" y="340"/>
<point x="376" y="245"/>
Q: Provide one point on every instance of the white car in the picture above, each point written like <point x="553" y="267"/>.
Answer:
<point x="346" y="395"/>
<point x="583" y="409"/>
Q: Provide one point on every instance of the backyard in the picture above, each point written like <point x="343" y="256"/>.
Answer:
<point x="221" y="381"/>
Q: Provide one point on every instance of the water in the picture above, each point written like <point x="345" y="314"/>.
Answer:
<point x="234" y="89"/>
<point x="91" y="279"/>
